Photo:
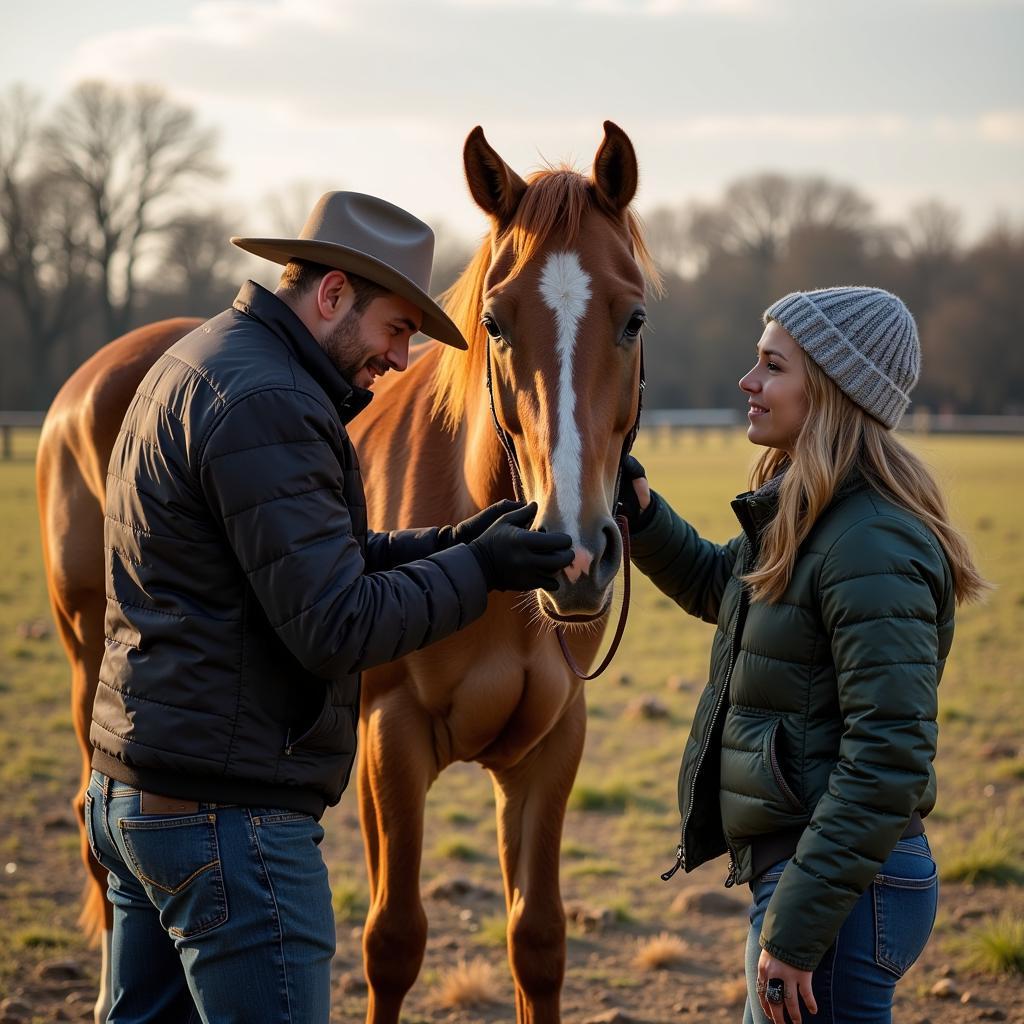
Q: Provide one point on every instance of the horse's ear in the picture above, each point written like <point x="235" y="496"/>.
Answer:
<point x="496" y="188"/>
<point x="615" y="171"/>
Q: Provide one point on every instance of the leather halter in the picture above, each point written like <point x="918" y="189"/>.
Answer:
<point x="620" y="520"/>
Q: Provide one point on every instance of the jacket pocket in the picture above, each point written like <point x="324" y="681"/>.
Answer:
<point x="770" y="757"/>
<point x="325" y="734"/>
<point x="177" y="860"/>
<point x="756" y="797"/>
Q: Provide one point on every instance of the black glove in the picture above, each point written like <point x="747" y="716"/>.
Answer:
<point x="470" y="529"/>
<point x="513" y="557"/>
<point x="626" y="501"/>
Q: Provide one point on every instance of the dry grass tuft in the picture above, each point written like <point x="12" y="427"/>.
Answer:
<point x="997" y="947"/>
<point x="661" y="952"/>
<point x="990" y="854"/>
<point x="467" y="984"/>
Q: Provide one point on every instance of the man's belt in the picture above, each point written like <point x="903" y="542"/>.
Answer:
<point x="155" y="803"/>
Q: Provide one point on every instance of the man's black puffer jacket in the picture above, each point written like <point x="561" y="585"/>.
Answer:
<point x="244" y="594"/>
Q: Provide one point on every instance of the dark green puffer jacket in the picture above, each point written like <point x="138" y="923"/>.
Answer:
<point x="819" y="717"/>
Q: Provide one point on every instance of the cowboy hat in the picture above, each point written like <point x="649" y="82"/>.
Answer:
<point x="374" y="239"/>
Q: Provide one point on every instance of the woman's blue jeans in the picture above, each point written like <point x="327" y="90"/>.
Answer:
<point x="884" y="934"/>
<point x="219" y="916"/>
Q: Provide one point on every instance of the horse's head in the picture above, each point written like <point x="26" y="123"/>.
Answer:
<point x="561" y="305"/>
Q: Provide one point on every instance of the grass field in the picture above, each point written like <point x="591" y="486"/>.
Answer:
<point x="622" y="826"/>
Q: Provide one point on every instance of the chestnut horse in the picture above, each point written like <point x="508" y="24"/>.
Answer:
<point x="552" y="305"/>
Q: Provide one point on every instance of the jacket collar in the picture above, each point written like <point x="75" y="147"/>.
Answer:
<point x="255" y="301"/>
<point x="756" y="509"/>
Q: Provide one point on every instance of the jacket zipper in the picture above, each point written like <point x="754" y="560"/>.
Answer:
<point x="733" y="654"/>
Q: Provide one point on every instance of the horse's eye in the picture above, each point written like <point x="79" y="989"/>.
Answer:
<point x="491" y="326"/>
<point x="635" y="325"/>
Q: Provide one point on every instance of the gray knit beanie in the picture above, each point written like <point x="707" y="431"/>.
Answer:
<point x="864" y="338"/>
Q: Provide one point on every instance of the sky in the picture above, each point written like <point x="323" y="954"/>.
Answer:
<point x="907" y="100"/>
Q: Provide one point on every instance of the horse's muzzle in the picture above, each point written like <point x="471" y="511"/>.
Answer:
<point x="584" y="588"/>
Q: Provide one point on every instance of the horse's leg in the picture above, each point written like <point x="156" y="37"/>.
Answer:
<point x="71" y="522"/>
<point x="531" y="801"/>
<point x="397" y="764"/>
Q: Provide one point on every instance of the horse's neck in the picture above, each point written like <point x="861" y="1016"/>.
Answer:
<point x="485" y="462"/>
<point x="418" y="473"/>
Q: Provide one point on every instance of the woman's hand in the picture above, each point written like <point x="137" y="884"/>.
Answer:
<point x="796" y="983"/>
<point x="634" y="492"/>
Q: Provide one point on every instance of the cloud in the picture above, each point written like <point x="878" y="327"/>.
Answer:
<point x="806" y="128"/>
<point x="632" y="8"/>
<point x="224" y="46"/>
<point x="671" y="8"/>
<point x="1002" y="126"/>
<point x="711" y="68"/>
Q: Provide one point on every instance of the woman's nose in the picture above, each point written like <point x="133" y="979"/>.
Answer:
<point x="748" y="382"/>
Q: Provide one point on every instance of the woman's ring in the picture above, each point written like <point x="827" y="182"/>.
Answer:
<point x="775" y="990"/>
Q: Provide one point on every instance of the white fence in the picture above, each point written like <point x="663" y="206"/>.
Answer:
<point x="664" y="423"/>
<point x="920" y="422"/>
<point x="11" y="421"/>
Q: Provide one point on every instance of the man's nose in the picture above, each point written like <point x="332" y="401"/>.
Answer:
<point x="398" y="357"/>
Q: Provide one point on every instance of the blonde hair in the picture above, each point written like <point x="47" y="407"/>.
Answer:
<point x="837" y="436"/>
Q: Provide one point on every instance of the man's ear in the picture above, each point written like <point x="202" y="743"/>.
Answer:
<point x="332" y="292"/>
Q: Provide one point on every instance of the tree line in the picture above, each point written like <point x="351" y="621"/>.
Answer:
<point x="101" y="229"/>
<point x="770" y="234"/>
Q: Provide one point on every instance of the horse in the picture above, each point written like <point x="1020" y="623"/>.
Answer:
<point x="542" y="403"/>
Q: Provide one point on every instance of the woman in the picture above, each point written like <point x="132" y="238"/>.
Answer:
<point x="810" y="757"/>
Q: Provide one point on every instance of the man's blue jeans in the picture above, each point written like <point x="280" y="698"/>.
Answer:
<point x="219" y="916"/>
<point x="884" y="934"/>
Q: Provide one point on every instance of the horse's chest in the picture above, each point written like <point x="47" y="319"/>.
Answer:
<point x="498" y="702"/>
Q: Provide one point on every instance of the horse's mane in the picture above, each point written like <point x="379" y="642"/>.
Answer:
<point x="556" y="198"/>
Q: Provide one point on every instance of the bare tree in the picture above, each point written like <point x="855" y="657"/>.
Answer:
<point x="932" y="230"/>
<point x="758" y="214"/>
<point x="42" y="238"/>
<point x="667" y="233"/>
<point x="930" y="242"/>
<point x="820" y="203"/>
<point x="291" y="205"/>
<point x="125" y="154"/>
<point x="199" y="263"/>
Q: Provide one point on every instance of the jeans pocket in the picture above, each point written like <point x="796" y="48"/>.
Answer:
<point x="905" y="911"/>
<point x="177" y="860"/>
<point x="90" y="830"/>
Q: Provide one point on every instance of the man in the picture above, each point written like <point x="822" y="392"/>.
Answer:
<point x="245" y="596"/>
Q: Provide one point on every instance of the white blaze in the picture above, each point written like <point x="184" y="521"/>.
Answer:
<point x="565" y="288"/>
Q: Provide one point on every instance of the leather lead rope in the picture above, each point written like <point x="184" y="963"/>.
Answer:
<point x="620" y="520"/>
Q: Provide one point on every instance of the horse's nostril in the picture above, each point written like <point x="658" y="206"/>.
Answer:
<point x="608" y="560"/>
<point x="611" y="543"/>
